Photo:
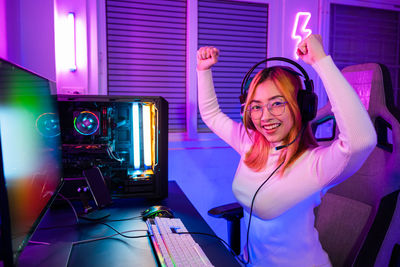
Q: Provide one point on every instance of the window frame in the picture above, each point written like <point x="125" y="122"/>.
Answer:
<point x="325" y="7"/>
<point x="325" y="18"/>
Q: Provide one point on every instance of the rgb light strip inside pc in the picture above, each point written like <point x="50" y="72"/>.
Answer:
<point x="143" y="136"/>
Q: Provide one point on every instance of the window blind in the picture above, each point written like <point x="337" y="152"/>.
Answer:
<point x="239" y="30"/>
<point x="360" y="35"/>
<point x="146" y="52"/>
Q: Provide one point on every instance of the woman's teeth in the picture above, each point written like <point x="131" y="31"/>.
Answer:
<point x="271" y="126"/>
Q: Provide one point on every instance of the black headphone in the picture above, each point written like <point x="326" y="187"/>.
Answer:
<point x="307" y="100"/>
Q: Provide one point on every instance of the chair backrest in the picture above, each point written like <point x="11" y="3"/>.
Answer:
<point x="349" y="219"/>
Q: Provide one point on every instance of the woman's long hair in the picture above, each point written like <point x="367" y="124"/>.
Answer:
<point x="288" y="83"/>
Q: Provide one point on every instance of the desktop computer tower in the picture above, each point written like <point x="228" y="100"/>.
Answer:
<point x="125" y="137"/>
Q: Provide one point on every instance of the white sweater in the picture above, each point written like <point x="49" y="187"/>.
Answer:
<point x="282" y="229"/>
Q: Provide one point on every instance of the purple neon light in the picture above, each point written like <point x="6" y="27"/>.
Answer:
<point x="300" y="31"/>
<point x="71" y="49"/>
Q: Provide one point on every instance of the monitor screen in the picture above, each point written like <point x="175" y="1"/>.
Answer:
<point x="30" y="155"/>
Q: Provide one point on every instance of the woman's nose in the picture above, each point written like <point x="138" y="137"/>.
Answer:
<point x="265" y="113"/>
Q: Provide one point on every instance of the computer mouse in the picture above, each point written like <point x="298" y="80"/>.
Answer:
<point x="157" y="211"/>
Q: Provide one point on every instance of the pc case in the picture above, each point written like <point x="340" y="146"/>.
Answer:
<point x="126" y="137"/>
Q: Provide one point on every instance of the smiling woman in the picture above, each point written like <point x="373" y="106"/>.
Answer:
<point x="278" y="86"/>
<point x="282" y="172"/>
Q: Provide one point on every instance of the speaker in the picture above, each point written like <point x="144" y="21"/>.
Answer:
<point x="307" y="100"/>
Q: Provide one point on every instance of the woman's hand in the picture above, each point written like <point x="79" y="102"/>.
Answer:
<point x="207" y="56"/>
<point x="310" y="50"/>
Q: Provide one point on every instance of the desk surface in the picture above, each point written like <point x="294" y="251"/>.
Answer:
<point x="116" y="251"/>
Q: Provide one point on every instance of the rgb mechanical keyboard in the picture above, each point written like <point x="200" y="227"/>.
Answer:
<point x="171" y="247"/>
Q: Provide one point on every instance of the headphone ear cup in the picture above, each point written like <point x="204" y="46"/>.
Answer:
<point x="242" y="99"/>
<point x="241" y="111"/>
<point x="308" y="104"/>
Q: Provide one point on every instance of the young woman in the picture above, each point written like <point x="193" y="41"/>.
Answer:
<point x="282" y="229"/>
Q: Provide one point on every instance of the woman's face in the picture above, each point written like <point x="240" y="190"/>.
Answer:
<point x="273" y="127"/>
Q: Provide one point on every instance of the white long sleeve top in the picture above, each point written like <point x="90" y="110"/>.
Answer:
<point x="282" y="231"/>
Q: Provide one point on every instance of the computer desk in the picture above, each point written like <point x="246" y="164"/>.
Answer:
<point x="59" y="229"/>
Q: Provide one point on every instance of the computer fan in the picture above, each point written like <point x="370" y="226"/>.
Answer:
<point x="86" y="122"/>
<point x="48" y="125"/>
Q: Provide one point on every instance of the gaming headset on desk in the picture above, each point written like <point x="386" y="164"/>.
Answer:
<point x="307" y="100"/>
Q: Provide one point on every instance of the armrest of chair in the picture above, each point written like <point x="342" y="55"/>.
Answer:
<point x="232" y="213"/>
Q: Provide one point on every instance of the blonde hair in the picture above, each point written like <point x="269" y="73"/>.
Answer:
<point x="288" y="83"/>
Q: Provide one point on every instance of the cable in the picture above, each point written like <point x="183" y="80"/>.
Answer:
<point x="251" y="212"/>
<point x="101" y="238"/>
<point x="126" y="236"/>
<point x="127" y="219"/>
<point x="117" y="233"/>
<point x="110" y="153"/>
<point x="73" y="208"/>
<point x="105" y="237"/>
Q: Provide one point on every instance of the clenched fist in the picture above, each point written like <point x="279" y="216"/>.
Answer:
<point x="207" y="56"/>
<point x="310" y="50"/>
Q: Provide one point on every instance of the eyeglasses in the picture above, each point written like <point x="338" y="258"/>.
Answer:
<point x="275" y="107"/>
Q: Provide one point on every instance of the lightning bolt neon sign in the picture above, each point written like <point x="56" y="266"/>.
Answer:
<point x="299" y="29"/>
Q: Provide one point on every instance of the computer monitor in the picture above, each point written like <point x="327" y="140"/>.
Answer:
<point x="30" y="156"/>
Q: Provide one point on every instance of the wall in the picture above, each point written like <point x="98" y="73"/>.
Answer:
<point x="3" y="29"/>
<point x="10" y="31"/>
<point x="28" y="31"/>
<point x="205" y="175"/>
<point x="37" y="36"/>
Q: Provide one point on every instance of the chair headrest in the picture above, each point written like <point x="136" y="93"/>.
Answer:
<point x="372" y="83"/>
<point x="369" y="81"/>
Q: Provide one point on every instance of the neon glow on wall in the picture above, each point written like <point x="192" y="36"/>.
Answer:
<point x="300" y="30"/>
<point x="71" y="42"/>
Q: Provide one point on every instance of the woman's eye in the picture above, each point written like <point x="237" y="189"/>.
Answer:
<point x="277" y="104"/>
<point x="256" y="107"/>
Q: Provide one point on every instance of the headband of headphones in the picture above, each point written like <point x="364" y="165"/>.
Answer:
<point x="307" y="100"/>
<point x="309" y="85"/>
